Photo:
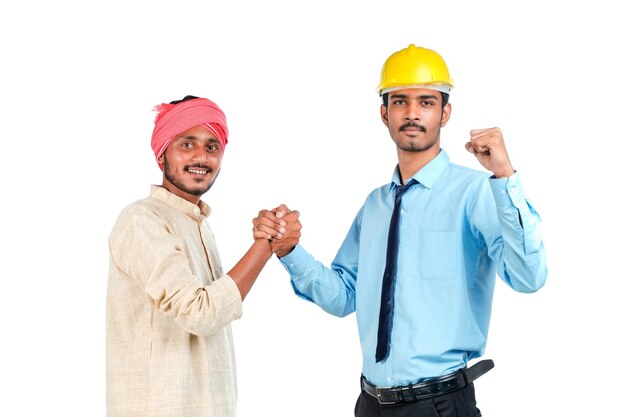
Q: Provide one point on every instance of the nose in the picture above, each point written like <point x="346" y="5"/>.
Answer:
<point x="412" y="112"/>
<point x="200" y="154"/>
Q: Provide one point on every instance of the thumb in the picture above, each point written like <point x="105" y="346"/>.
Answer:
<point x="281" y="211"/>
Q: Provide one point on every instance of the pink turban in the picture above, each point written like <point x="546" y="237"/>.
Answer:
<point x="173" y="119"/>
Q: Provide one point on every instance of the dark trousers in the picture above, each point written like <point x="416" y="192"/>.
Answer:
<point x="461" y="403"/>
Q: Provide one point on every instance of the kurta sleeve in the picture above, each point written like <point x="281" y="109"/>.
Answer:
<point x="144" y="248"/>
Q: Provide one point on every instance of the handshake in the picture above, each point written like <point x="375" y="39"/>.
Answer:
<point x="281" y="226"/>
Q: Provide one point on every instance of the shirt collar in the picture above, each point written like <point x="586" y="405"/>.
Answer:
<point x="428" y="174"/>
<point x="179" y="203"/>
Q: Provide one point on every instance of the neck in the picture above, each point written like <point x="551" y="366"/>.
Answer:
<point x="409" y="163"/>
<point x="182" y="194"/>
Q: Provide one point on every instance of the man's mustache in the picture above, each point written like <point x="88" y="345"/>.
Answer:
<point x="199" y="166"/>
<point x="413" y="125"/>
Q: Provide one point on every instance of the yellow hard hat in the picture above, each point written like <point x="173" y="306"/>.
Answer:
<point x="415" y="67"/>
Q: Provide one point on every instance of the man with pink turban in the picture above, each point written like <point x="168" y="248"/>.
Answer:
<point x="169" y="303"/>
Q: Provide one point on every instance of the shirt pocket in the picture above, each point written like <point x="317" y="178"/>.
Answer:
<point x="437" y="256"/>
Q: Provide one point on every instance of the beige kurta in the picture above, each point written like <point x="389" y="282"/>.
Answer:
<point x="169" y="342"/>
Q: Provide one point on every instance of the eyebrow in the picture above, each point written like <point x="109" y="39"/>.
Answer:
<point x="423" y="96"/>
<point x="195" y="138"/>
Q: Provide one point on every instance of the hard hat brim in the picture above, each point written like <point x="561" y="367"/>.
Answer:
<point x="444" y="88"/>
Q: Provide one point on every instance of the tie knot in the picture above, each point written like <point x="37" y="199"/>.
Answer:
<point x="401" y="189"/>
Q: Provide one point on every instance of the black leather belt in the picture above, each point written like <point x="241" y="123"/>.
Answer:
<point x="430" y="388"/>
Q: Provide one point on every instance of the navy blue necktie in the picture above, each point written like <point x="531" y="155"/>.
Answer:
<point x="385" y="319"/>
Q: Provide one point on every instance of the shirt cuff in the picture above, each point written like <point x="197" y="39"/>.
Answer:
<point x="296" y="261"/>
<point x="508" y="191"/>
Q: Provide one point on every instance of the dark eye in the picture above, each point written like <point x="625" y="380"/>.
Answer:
<point x="212" y="148"/>
<point x="187" y="145"/>
<point x="398" y="101"/>
<point x="427" y="103"/>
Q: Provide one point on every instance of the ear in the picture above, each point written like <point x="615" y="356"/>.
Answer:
<point x="445" y="114"/>
<point x="160" y="159"/>
<point x="383" y="115"/>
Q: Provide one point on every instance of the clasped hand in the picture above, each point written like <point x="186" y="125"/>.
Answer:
<point x="281" y="226"/>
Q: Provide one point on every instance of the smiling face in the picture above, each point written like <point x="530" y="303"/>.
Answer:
<point x="414" y="117"/>
<point x="191" y="163"/>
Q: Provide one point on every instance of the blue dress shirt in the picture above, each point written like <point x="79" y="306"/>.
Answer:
<point x="458" y="228"/>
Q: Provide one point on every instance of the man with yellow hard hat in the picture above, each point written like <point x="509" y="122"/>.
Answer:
<point x="419" y="262"/>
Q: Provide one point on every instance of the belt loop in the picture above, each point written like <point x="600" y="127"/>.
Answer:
<point x="465" y="379"/>
<point x="400" y="392"/>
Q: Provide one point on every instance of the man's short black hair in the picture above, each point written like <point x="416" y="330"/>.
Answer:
<point x="183" y="99"/>
<point x="444" y="99"/>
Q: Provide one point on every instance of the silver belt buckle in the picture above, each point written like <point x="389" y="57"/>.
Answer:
<point x="380" y="399"/>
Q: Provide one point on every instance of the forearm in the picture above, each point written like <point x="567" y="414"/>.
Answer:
<point x="333" y="289"/>
<point x="523" y="263"/>
<point x="247" y="270"/>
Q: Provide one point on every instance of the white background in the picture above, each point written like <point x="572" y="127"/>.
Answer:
<point x="297" y="83"/>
